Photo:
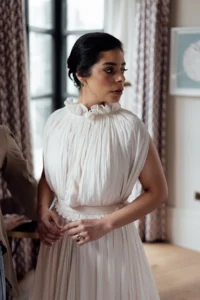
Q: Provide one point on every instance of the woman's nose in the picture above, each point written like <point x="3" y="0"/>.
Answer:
<point x="120" y="78"/>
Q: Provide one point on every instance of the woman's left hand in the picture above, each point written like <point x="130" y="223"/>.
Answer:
<point x="84" y="231"/>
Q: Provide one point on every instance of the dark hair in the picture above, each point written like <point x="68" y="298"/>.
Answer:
<point x="86" y="52"/>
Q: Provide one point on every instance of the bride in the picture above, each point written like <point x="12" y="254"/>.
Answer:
<point x="94" y="152"/>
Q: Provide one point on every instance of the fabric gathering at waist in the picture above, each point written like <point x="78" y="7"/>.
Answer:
<point x="79" y="212"/>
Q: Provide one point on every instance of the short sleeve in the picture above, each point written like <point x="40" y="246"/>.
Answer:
<point x="142" y="139"/>
<point x="49" y="132"/>
<point x="51" y="122"/>
<point x="139" y="148"/>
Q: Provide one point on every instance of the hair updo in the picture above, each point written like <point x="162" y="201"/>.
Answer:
<point x="86" y="52"/>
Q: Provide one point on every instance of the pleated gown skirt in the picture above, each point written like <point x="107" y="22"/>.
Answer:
<point x="114" y="267"/>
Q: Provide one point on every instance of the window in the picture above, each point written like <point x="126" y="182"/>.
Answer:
<point x="52" y="28"/>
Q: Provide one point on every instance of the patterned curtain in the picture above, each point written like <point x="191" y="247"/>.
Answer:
<point x="13" y="75"/>
<point x="150" y="84"/>
<point x="14" y="110"/>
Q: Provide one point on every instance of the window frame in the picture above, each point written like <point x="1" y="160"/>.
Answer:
<point x="59" y="34"/>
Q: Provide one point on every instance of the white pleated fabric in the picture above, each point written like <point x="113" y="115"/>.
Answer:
<point x="92" y="159"/>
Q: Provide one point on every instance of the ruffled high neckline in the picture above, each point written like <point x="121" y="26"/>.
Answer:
<point x="95" y="110"/>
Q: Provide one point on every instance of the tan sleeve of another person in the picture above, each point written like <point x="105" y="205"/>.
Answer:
<point x="20" y="182"/>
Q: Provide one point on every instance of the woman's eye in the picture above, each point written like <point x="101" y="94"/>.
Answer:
<point x="109" y="70"/>
<point x="124" y="70"/>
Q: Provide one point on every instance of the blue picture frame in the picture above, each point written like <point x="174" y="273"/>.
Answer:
<point x="185" y="61"/>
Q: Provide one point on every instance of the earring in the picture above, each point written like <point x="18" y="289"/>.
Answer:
<point x="82" y="84"/>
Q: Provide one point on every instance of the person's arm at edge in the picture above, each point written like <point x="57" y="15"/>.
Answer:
<point x="20" y="182"/>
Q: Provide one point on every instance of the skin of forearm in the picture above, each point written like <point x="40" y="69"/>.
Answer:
<point x="45" y="195"/>
<point x="141" y="206"/>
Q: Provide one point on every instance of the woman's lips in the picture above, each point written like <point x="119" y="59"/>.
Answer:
<point x="118" y="92"/>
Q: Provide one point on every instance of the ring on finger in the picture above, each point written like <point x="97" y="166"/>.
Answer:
<point x="79" y="237"/>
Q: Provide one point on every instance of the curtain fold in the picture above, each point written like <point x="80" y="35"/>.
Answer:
<point x="14" y="104"/>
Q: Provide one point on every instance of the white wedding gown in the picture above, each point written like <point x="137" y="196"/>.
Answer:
<point x="92" y="160"/>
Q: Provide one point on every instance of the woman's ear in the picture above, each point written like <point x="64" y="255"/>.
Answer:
<point x="80" y="78"/>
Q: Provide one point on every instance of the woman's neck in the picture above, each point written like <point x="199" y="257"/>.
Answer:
<point x="89" y="101"/>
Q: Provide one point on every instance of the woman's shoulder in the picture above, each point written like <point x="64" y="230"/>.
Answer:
<point x="132" y="118"/>
<point x="54" y="118"/>
<point x="135" y="125"/>
<point x="56" y="114"/>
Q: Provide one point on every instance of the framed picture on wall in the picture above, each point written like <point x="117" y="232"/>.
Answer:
<point x="185" y="61"/>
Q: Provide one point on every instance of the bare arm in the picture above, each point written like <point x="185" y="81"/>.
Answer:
<point x="45" y="194"/>
<point x="48" y="222"/>
<point x="155" y="193"/>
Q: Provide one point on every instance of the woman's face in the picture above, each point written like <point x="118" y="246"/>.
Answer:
<point x="106" y="82"/>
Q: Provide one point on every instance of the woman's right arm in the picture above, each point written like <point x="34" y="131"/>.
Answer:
<point x="48" y="222"/>
<point x="45" y="194"/>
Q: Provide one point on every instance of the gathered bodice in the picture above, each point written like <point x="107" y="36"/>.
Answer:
<point x="94" y="157"/>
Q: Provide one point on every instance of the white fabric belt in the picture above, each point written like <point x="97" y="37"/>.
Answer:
<point x="81" y="212"/>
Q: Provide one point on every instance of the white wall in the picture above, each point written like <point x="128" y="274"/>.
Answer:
<point x="183" y="152"/>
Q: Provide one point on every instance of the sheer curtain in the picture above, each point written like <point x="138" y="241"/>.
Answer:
<point x="119" y="20"/>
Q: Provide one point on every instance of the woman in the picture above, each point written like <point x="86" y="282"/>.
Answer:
<point x="94" y="153"/>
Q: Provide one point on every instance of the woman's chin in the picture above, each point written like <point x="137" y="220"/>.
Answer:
<point x="114" y="99"/>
